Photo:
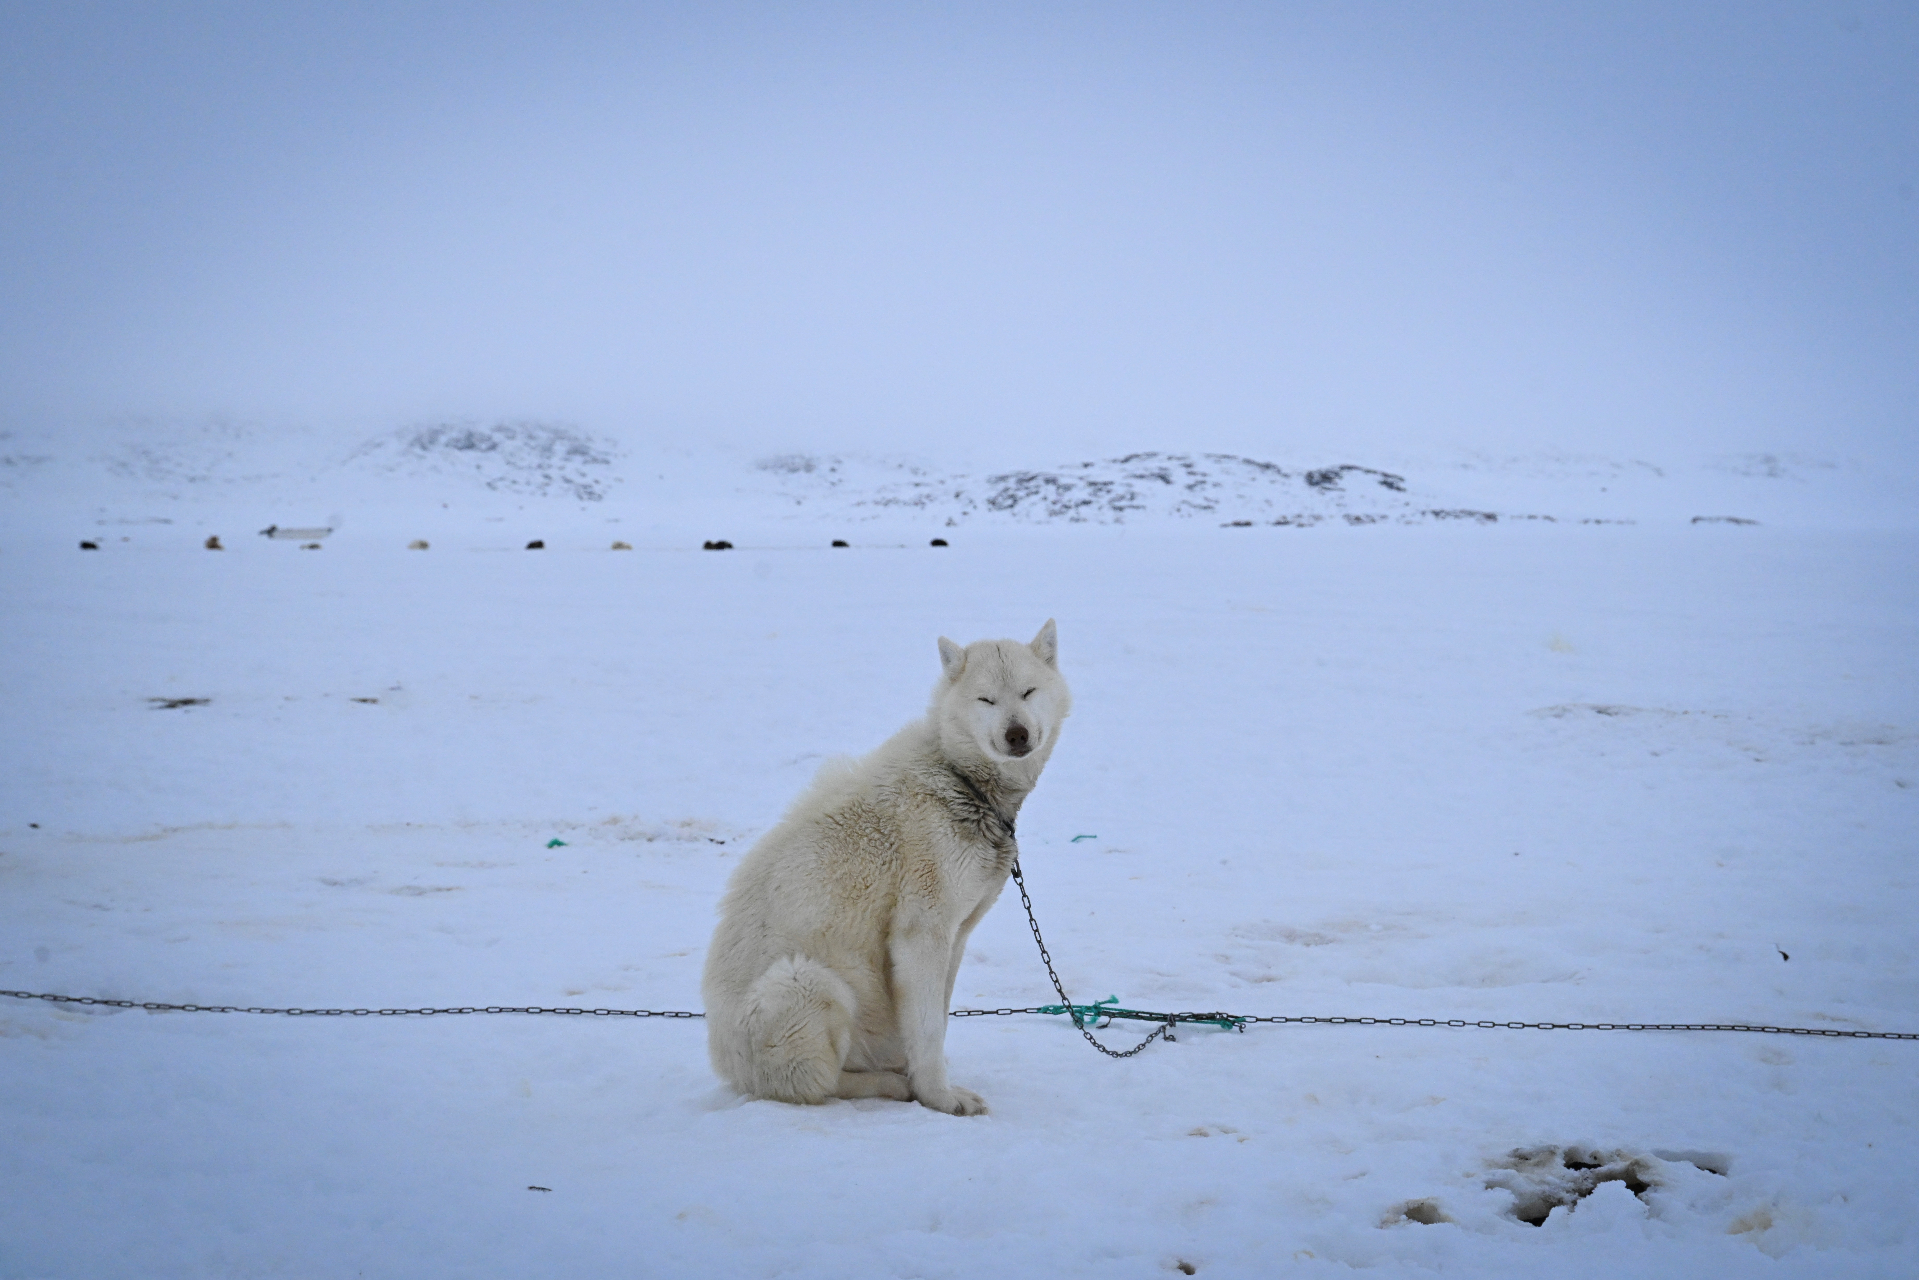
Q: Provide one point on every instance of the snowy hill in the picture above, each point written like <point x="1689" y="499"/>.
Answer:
<point x="1138" y="488"/>
<point x="571" y="486"/>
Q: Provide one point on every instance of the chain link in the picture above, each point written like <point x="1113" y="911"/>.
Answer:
<point x="1167" y="1021"/>
<point x="1490" y="1025"/>
<point x="155" y="1006"/>
<point x="1163" y="1031"/>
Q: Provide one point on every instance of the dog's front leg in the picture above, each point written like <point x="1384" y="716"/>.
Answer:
<point x="919" y="956"/>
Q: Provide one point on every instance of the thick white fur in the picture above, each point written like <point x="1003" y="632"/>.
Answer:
<point x="832" y="969"/>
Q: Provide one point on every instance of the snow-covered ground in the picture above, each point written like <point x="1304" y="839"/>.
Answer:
<point x="1635" y="762"/>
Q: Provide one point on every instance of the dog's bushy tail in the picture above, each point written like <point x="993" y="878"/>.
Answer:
<point x="790" y="1036"/>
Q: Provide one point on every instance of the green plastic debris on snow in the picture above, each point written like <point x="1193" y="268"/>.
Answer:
<point x="1077" y="839"/>
<point x="555" y="843"/>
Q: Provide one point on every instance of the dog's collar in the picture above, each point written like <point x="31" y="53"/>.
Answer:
<point x="984" y="803"/>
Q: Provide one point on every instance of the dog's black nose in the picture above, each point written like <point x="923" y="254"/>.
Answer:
<point x="1017" y="741"/>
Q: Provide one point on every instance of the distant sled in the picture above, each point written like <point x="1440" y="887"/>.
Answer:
<point x="294" y="535"/>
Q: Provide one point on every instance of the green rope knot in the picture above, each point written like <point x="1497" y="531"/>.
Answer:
<point x="1085" y="1015"/>
<point x="1082" y="1014"/>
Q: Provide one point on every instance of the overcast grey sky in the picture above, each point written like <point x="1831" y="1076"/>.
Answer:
<point x="1027" y="232"/>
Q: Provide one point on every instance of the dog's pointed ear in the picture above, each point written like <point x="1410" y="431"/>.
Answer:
<point x="952" y="658"/>
<point x="1046" y="644"/>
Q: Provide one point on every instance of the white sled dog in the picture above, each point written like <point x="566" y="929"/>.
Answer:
<point x="832" y="969"/>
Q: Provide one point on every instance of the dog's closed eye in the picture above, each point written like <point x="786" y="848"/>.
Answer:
<point x="989" y="702"/>
<point x="1029" y="693"/>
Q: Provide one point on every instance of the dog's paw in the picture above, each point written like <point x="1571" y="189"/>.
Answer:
<point x="956" y="1102"/>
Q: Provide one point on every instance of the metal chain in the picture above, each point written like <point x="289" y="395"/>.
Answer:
<point x="157" y="1006"/>
<point x="1165" y="1029"/>
<point x="1487" y="1024"/>
<point x="1167" y="1019"/>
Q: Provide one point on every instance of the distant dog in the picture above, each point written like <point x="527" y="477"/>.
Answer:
<point x="832" y="969"/>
